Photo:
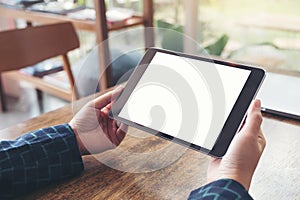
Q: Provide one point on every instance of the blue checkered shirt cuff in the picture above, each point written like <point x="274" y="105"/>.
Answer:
<point x="37" y="159"/>
<point x="220" y="190"/>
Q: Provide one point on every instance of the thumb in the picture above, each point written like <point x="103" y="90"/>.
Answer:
<point x="254" y="117"/>
<point x="103" y="100"/>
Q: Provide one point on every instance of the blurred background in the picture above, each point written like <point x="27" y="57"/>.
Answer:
<point x="263" y="33"/>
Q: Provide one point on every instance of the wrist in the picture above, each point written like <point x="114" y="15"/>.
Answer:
<point x="245" y="181"/>
<point x="83" y="151"/>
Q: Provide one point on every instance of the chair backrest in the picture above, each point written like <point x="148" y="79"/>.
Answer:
<point x="24" y="47"/>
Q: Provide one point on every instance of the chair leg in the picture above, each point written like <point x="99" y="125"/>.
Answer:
<point x="39" y="95"/>
<point x="2" y="96"/>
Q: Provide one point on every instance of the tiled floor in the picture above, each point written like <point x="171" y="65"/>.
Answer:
<point x="26" y="107"/>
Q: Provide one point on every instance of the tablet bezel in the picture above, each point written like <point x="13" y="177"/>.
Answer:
<point x="233" y="121"/>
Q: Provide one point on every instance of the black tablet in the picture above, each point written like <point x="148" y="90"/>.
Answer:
<point x="195" y="101"/>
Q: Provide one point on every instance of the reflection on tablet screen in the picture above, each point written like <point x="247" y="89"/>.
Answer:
<point x="186" y="98"/>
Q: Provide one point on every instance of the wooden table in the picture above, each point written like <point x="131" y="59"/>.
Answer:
<point x="277" y="176"/>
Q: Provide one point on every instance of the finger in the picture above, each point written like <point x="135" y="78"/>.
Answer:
<point x="121" y="132"/>
<point x="106" y="98"/>
<point x="255" y="105"/>
<point x="117" y="92"/>
<point x="112" y="129"/>
<point x="108" y="106"/>
<point x="103" y="122"/>
<point x="109" y="126"/>
<point x="261" y="140"/>
<point x="254" y="118"/>
<point x="214" y="160"/>
<point x="103" y="100"/>
<point x="106" y="109"/>
<point x="122" y="127"/>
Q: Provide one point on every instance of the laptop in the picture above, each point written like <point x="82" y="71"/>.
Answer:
<point x="280" y="95"/>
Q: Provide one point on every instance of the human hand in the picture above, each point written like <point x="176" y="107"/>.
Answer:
<point x="95" y="131"/>
<point x="244" y="152"/>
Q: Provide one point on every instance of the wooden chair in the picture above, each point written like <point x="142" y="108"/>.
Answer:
<point x="20" y="48"/>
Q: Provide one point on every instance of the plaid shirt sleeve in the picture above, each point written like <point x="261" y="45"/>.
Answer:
<point x="37" y="159"/>
<point x="222" y="189"/>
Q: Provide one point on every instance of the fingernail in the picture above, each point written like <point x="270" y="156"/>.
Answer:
<point x="120" y="87"/>
<point x="257" y="104"/>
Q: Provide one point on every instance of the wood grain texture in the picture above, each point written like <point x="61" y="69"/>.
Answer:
<point x="277" y="175"/>
<point x="45" y="18"/>
<point x="49" y="18"/>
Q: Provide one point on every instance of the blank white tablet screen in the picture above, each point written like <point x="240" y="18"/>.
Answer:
<point x="186" y="98"/>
